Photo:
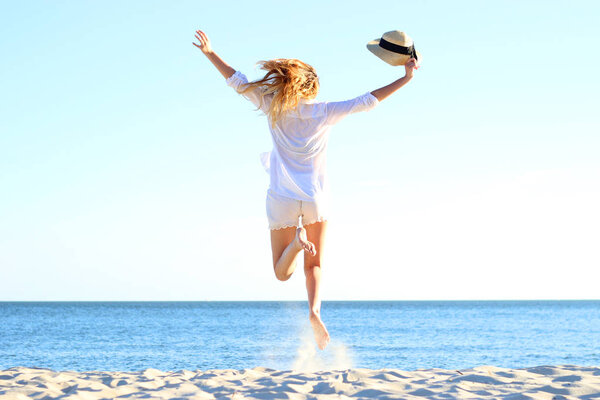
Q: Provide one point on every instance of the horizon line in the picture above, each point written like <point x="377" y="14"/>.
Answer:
<point x="287" y="301"/>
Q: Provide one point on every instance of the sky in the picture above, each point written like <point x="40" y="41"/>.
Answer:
<point x="129" y="170"/>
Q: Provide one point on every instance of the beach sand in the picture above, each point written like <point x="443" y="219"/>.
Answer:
<point x="483" y="382"/>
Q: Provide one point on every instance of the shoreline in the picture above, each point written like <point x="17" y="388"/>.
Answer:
<point x="481" y="382"/>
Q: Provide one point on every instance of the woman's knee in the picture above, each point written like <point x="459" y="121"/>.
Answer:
<point x="281" y="275"/>
<point x="311" y="268"/>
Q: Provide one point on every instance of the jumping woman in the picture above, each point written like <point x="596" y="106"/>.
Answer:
<point x="297" y="198"/>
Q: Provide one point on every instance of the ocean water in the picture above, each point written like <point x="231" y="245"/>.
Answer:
<point x="409" y="335"/>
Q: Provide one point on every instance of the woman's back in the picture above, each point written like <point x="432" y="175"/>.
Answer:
<point x="297" y="163"/>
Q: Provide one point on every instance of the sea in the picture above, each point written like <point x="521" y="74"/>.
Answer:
<point x="407" y="335"/>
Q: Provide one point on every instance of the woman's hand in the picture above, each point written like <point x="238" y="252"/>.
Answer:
<point x="224" y="68"/>
<point x="204" y="42"/>
<point x="410" y="66"/>
<point x="386" y="91"/>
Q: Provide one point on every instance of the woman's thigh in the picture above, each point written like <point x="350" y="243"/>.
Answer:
<point x="280" y="239"/>
<point x="315" y="233"/>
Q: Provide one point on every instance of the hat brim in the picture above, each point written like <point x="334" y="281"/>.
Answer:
<point x="390" y="57"/>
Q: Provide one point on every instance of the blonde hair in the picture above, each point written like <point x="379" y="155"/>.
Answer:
<point x="288" y="79"/>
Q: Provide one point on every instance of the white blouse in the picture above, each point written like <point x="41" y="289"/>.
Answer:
<point x="297" y="162"/>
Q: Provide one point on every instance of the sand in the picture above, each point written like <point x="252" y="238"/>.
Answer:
<point x="483" y="382"/>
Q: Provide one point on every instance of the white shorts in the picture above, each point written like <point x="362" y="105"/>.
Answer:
<point x="284" y="212"/>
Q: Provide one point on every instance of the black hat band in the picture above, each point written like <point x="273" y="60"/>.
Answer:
<point x="409" y="51"/>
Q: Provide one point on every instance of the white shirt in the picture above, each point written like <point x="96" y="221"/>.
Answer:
<point x="297" y="162"/>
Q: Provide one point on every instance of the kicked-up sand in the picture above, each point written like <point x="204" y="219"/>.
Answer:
<point x="483" y="382"/>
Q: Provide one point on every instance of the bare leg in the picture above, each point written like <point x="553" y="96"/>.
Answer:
<point x="312" y="270"/>
<point x="286" y="244"/>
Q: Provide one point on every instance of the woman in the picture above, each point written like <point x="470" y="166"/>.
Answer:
<point x="298" y="188"/>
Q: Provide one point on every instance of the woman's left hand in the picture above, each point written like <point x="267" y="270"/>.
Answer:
<point x="204" y="42"/>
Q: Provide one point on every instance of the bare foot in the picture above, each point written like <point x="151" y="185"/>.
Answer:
<point x="321" y="334"/>
<point x="303" y="243"/>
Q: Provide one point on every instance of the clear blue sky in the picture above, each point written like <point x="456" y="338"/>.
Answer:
<point x="130" y="171"/>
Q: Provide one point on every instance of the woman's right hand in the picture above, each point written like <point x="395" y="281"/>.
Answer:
<point x="204" y="42"/>
<point x="410" y="66"/>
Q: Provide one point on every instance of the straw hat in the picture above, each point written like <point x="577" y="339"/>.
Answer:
<point x="395" y="48"/>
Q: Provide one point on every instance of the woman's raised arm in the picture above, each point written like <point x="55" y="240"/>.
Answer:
<point x="385" y="91"/>
<point x="206" y="48"/>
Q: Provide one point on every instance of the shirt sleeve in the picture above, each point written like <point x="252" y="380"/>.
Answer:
<point x="237" y="80"/>
<point x="337" y="110"/>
